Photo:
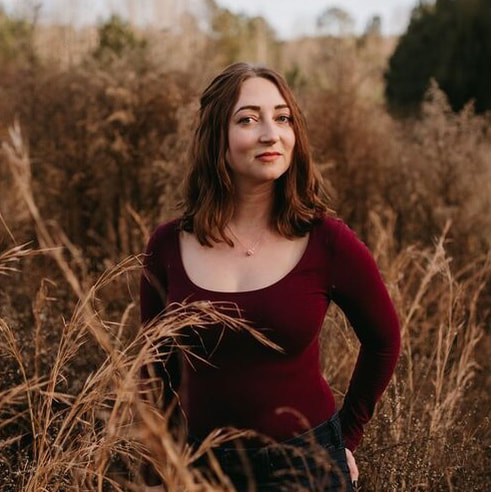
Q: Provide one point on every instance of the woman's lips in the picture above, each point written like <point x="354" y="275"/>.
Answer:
<point x="268" y="156"/>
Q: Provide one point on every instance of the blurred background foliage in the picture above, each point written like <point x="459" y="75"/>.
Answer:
<point x="117" y="39"/>
<point x="399" y="128"/>
<point x="450" y="41"/>
<point x="16" y="40"/>
<point x="108" y="113"/>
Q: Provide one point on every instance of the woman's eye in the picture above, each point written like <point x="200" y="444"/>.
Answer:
<point x="283" y="118"/>
<point x="246" y="120"/>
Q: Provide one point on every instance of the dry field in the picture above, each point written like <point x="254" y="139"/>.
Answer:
<point x="92" y="157"/>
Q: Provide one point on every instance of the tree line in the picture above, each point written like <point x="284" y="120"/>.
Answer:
<point x="449" y="41"/>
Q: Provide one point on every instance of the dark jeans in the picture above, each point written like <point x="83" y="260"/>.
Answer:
<point x="313" y="461"/>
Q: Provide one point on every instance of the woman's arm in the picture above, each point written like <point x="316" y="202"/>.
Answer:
<point x="153" y="297"/>
<point x="360" y="292"/>
<point x="153" y="300"/>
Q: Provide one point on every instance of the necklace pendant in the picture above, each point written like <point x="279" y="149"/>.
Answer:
<point x="249" y="252"/>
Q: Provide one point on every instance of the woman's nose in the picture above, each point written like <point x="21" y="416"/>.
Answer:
<point x="269" y="133"/>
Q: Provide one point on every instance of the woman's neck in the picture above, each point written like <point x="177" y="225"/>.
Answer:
<point x="253" y="209"/>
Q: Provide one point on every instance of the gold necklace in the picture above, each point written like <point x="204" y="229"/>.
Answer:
<point x="252" y="249"/>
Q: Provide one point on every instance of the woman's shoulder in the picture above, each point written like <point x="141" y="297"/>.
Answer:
<point x="330" y="222"/>
<point x="329" y="227"/>
<point x="164" y="232"/>
<point x="336" y="233"/>
<point x="167" y="227"/>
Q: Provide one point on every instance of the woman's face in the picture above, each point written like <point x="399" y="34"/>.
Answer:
<point x="260" y="134"/>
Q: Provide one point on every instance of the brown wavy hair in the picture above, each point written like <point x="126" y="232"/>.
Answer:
<point x="299" y="201"/>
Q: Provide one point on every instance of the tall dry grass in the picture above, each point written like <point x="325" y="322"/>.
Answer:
<point x="423" y="437"/>
<point x="75" y="437"/>
<point x="99" y="166"/>
<point x="430" y="427"/>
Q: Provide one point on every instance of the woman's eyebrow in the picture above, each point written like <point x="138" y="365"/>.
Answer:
<point x="258" y="108"/>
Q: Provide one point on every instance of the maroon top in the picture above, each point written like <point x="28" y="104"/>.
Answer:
<point x="247" y="383"/>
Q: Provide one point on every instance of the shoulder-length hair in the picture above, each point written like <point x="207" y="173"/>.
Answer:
<point x="208" y="201"/>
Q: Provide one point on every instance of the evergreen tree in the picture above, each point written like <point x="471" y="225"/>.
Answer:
<point x="116" y="38"/>
<point x="448" y="40"/>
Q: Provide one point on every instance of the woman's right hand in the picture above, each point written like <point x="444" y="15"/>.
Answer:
<point x="353" y="468"/>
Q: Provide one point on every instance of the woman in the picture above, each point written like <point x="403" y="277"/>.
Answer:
<point x="256" y="232"/>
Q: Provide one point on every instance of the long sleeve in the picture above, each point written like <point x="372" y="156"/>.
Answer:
<point x="153" y="293"/>
<point x="153" y="282"/>
<point x="360" y="292"/>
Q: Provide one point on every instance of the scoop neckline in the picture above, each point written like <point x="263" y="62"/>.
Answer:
<point x="239" y="292"/>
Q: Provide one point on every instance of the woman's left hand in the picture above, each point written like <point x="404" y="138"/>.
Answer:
<point x="353" y="468"/>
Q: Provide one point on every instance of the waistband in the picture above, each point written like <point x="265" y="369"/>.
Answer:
<point x="328" y="432"/>
<point x="328" y="435"/>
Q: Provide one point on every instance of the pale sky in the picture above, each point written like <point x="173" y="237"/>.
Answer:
<point x="292" y="17"/>
<point x="289" y="18"/>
